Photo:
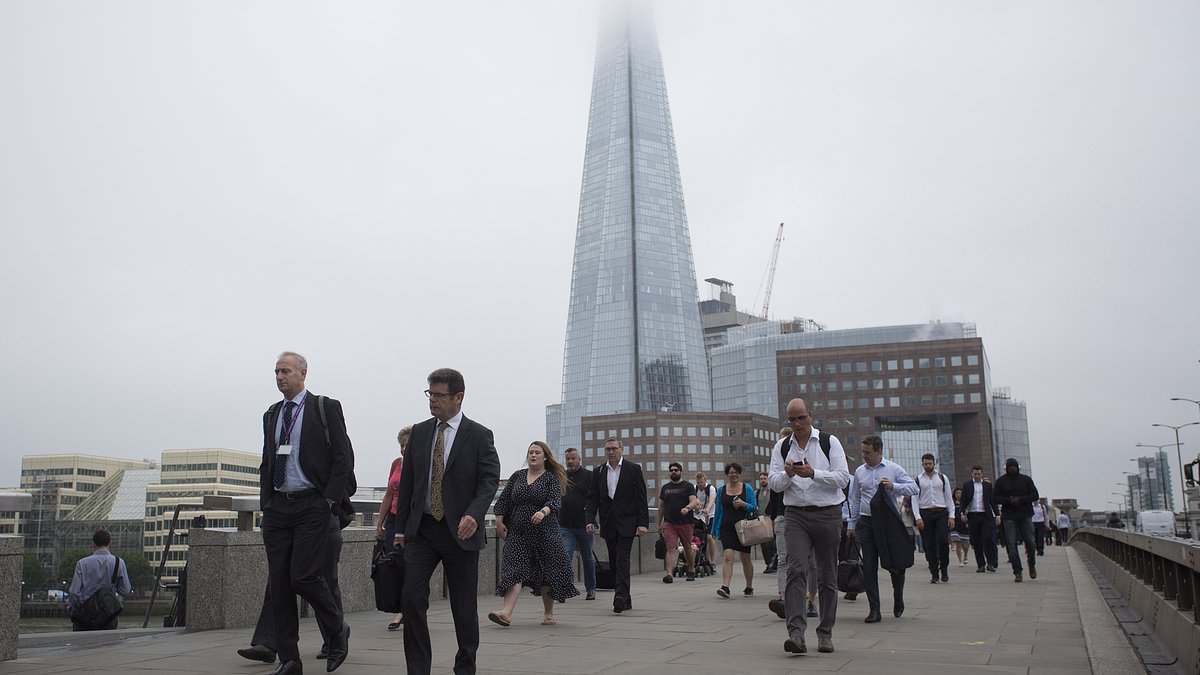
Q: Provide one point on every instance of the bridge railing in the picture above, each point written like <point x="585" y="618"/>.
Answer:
<point x="1160" y="579"/>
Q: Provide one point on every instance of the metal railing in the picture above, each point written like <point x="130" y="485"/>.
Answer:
<point x="1168" y="565"/>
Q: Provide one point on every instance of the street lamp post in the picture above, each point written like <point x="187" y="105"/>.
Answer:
<point x="1162" y="485"/>
<point x="1187" y="520"/>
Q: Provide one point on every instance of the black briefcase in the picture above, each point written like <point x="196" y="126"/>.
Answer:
<point x="387" y="571"/>
<point x="605" y="579"/>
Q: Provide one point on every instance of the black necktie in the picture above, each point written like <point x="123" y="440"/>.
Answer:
<point x="279" y="468"/>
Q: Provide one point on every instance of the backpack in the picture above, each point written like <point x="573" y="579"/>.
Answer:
<point x="774" y="507"/>
<point x="345" y="507"/>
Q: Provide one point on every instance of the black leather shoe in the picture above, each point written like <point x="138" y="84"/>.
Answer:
<point x="898" y="609"/>
<point x="324" y="653"/>
<point x="288" y="668"/>
<point x="258" y="653"/>
<point x="979" y="570"/>
<point x="933" y="579"/>
<point x="945" y="576"/>
<point x="339" y="649"/>
<point x="618" y="607"/>
<point x="873" y="617"/>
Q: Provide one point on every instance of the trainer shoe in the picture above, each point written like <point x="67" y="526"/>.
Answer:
<point x="824" y="644"/>
<point x="748" y="592"/>
<point x="723" y="591"/>
<point x="795" y="646"/>
<point x="668" y="580"/>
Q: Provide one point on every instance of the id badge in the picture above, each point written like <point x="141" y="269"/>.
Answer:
<point x="284" y="450"/>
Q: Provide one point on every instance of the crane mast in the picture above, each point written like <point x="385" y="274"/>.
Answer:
<point x="771" y="272"/>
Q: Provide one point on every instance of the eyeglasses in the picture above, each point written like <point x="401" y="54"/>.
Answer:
<point x="437" y="394"/>
<point x="798" y="418"/>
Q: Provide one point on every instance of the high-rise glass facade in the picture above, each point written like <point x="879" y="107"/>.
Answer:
<point x="634" y="341"/>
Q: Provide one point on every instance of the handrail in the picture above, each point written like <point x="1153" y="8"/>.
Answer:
<point x="162" y="564"/>
<point x="1169" y="565"/>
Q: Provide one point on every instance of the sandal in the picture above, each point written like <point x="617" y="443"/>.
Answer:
<point x="497" y="617"/>
<point x="548" y="621"/>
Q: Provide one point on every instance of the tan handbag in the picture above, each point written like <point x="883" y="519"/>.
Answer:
<point x="755" y="531"/>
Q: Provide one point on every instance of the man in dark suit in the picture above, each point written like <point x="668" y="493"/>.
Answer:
<point x="450" y="475"/>
<point x="981" y="519"/>
<point x="303" y="478"/>
<point x="619" y="497"/>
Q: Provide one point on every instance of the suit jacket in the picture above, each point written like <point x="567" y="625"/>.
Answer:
<point x="468" y="485"/>
<point x="968" y="494"/>
<point x="892" y="544"/>
<point x="330" y="467"/>
<point x="627" y="509"/>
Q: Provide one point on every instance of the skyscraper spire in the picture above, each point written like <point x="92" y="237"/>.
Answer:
<point x="634" y="340"/>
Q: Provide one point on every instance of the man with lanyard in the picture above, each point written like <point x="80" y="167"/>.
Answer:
<point x="874" y="474"/>
<point x="935" y="518"/>
<point x="811" y="474"/>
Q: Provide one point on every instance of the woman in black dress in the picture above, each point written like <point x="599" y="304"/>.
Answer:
<point x="534" y="555"/>
<point x="735" y="502"/>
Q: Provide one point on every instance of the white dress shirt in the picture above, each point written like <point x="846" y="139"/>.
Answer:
<point x="614" y="475"/>
<point x="935" y="492"/>
<point x="977" y="499"/>
<point x="830" y="476"/>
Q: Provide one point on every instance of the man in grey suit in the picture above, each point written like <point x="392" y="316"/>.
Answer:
<point x="450" y="475"/>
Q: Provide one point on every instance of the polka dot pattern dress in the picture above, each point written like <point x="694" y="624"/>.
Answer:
<point x="533" y="555"/>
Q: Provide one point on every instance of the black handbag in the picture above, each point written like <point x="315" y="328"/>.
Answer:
<point x="660" y="548"/>
<point x="103" y="606"/>
<point x="387" y="571"/>
<point x="850" y="572"/>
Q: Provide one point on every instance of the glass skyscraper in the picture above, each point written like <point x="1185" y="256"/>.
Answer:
<point x="634" y="341"/>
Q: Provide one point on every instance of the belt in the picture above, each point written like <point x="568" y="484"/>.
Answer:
<point x="299" y="494"/>
<point x="933" y="509"/>
<point x="816" y="508"/>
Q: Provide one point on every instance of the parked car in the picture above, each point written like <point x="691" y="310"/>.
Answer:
<point x="1156" y="522"/>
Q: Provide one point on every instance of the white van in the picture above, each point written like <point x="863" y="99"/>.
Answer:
<point x="1156" y="522"/>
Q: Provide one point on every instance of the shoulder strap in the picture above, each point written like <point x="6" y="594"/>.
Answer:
<point x="116" y="569"/>
<point x="943" y="476"/>
<point x="783" y="447"/>
<point x="823" y="439"/>
<point x="324" y="421"/>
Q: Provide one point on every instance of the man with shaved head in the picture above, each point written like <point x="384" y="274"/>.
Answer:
<point x="809" y="467"/>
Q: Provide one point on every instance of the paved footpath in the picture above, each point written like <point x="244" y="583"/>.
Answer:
<point x="978" y="623"/>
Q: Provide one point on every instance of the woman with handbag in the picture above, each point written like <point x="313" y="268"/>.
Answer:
<point x="735" y="502"/>
<point x="385" y="524"/>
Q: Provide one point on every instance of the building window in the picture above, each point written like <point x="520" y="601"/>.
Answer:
<point x="649" y="431"/>
<point x="848" y="404"/>
<point x="831" y="369"/>
<point x="860" y="367"/>
<point x="816" y="369"/>
<point x="624" y="433"/>
<point x="864" y="403"/>
<point x="940" y="380"/>
<point x="908" y="364"/>
<point x="862" y="385"/>
<point x="976" y="397"/>
<point x="846" y="368"/>
<point x="877" y="384"/>
<point x="691" y="466"/>
<point x="925" y="381"/>
<point x="939" y="362"/>
<point x="650" y="466"/>
<point x="705" y="432"/>
<point x="637" y="433"/>
<point x="923" y="362"/>
<point x="973" y="378"/>
<point x="847" y="385"/>
<point x="799" y="370"/>
<point x="927" y="399"/>
<point x="785" y="371"/>
<point x="705" y="448"/>
<point x="691" y="448"/>
<point x="957" y="379"/>
<point x="879" y="402"/>
<point x="956" y="361"/>
<point x="801" y="388"/>
<point x="910" y="382"/>
<point x="943" y="399"/>
<point x="650" y="483"/>
<point x="718" y="448"/>
<point x="833" y="386"/>
<point x="972" y="359"/>
<point x="678" y="431"/>
<point x="706" y="466"/>
<point x="833" y="405"/>
<point x="894" y="401"/>
<point x="663" y="431"/>
<point x="637" y="449"/>
<point x="877" y="366"/>
<point x="960" y="398"/>
<point x="910" y="401"/>
<point x="892" y="364"/>
<point x="893" y="383"/>
<point x="691" y="432"/>
<point x="678" y="448"/>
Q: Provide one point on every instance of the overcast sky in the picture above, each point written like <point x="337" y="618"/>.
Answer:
<point x="187" y="189"/>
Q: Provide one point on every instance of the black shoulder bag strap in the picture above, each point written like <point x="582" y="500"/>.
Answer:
<point x="116" y="572"/>
<point x="324" y="421"/>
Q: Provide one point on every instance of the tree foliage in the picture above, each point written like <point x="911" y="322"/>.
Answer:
<point x="32" y="572"/>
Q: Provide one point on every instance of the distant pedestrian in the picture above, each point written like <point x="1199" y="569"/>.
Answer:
<point x="676" y="504"/>
<point x="809" y="467"/>
<point x="706" y="496"/>
<point x="1039" y="525"/>
<point x="572" y="520"/>
<point x="877" y="525"/>
<point x="936" y="506"/>
<point x="1114" y="521"/>
<point x="762" y="495"/>
<point x="93" y="573"/>
<point x="1016" y="494"/>
<point x="618" y="503"/>
<point x="735" y="502"/>
<point x="1063" y="534"/>
<point x="976" y="502"/>
<point x="385" y="525"/>
<point x="960" y="536"/>
<point x="534" y="555"/>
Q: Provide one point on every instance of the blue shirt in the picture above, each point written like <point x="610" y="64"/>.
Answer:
<point x="866" y="481"/>
<point x="294" y="479"/>
<point x="93" y="573"/>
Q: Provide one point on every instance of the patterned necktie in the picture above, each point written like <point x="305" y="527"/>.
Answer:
<point x="279" y="465"/>
<point x="439" y="470"/>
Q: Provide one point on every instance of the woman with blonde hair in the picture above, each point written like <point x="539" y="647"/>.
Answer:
<point x="534" y="554"/>
<point x="385" y="524"/>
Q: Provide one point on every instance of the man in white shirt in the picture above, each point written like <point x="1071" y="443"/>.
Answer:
<point x="1039" y="525"/>
<point x="809" y="468"/>
<point x="936" y="519"/>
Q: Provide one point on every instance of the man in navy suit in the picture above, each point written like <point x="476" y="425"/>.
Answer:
<point x="619" y="497"/>
<point x="304" y="479"/>
<point x="981" y="519"/>
<point x="450" y="475"/>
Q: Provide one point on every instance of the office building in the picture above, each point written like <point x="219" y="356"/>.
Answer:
<point x="1011" y="427"/>
<point x="700" y="441"/>
<point x="1151" y="487"/>
<point x="633" y="340"/>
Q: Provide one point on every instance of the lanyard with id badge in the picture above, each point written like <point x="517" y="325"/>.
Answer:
<point x="285" y="446"/>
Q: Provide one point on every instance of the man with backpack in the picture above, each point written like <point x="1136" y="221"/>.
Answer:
<point x="809" y="467"/>
<point x="99" y="573"/>
<point x="936" y="509"/>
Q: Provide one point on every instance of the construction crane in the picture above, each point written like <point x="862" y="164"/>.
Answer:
<point x="771" y="272"/>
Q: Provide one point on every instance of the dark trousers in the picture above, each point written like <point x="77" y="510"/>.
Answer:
<point x="111" y="625"/>
<point x="296" y="535"/>
<point x="870" y="561"/>
<point x="768" y="552"/>
<point x="619" y="550"/>
<point x="434" y="543"/>
<point x="811" y="534"/>
<point x="935" y="537"/>
<point x="983" y="538"/>
<point x="1039" y="536"/>
<point x="1017" y="531"/>
<point x="264" y="630"/>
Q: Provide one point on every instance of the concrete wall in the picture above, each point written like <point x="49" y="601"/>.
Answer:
<point x="12" y="552"/>
<point x="227" y="573"/>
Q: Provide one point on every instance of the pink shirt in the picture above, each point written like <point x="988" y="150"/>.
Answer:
<point x="394" y="482"/>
